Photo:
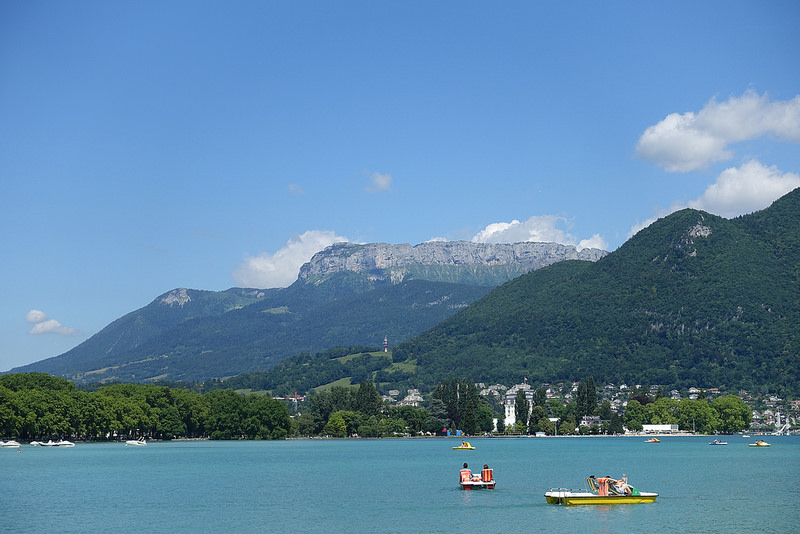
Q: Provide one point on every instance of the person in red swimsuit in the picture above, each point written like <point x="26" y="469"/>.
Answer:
<point x="466" y="474"/>
<point x="603" y="483"/>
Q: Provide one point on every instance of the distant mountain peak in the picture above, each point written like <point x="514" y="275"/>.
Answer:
<point x="178" y="296"/>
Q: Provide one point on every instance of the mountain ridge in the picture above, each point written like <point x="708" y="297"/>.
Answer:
<point x="463" y="261"/>
<point x="188" y="334"/>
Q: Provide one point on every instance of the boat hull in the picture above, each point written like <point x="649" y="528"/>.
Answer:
<point x="477" y="484"/>
<point x="573" y="498"/>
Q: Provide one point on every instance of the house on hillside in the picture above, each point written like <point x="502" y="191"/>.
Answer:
<point x="591" y="420"/>
<point x="660" y="429"/>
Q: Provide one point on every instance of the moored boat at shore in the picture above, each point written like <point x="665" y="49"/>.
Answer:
<point x="51" y="443"/>
<point x="10" y="444"/>
<point x="136" y="442"/>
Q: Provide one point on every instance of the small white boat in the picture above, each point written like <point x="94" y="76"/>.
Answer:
<point x="483" y="480"/>
<point x="717" y="442"/>
<point x="51" y="443"/>
<point x="10" y="444"/>
<point x="136" y="442"/>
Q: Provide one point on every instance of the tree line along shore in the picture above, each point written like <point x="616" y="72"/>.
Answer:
<point x="37" y="406"/>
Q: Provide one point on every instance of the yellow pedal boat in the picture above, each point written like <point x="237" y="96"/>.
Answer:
<point x="573" y="497"/>
<point x="465" y="446"/>
<point x="593" y="495"/>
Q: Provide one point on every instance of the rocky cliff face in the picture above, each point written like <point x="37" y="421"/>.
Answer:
<point x="449" y="261"/>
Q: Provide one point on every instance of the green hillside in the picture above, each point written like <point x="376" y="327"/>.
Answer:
<point x="112" y="345"/>
<point x="692" y="300"/>
<point x="219" y="334"/>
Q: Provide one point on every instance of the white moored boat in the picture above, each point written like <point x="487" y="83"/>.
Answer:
<point x="10" y="444"/>
<point x="51" y="443"/>
<point x="136" y="442"/>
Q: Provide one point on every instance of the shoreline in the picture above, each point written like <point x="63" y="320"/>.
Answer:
<point x="457" y="438"/>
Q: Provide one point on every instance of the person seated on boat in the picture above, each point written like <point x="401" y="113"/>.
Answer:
<point x="622" y="486"/>
<point x="466" y="474"/>
<point x="486" y="473"/>
<point x="603" y="484"/>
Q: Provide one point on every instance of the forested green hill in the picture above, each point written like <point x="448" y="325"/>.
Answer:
<point x="692" y="300"/>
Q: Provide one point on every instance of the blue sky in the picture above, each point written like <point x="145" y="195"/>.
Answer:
<point x="146" y="146"/>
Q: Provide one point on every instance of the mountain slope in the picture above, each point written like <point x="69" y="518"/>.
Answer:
<point x="694" y="299"/>
<point x="346" y="295"/>
<point x="133" y="330"/>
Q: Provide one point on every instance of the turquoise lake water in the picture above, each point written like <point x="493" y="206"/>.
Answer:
<point x="397" y="485"/>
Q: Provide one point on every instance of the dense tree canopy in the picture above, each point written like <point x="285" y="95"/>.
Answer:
<point x="37" y="407"/>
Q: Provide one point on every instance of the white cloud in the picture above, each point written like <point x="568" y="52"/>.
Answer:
<point x="539" y="228"/>
<point x="749" y="188"/>
<point x="691" y="141"/>
<point x="379" y="182"/>
<point x="43" y="325"/>
<point x="35" y="316"/>
<point x="737" y="191"/>
<point x="281" y="269"/>
<point x="593" y="242"/>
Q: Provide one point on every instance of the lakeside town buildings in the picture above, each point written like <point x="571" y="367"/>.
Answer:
<point x="770" y="413"/>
